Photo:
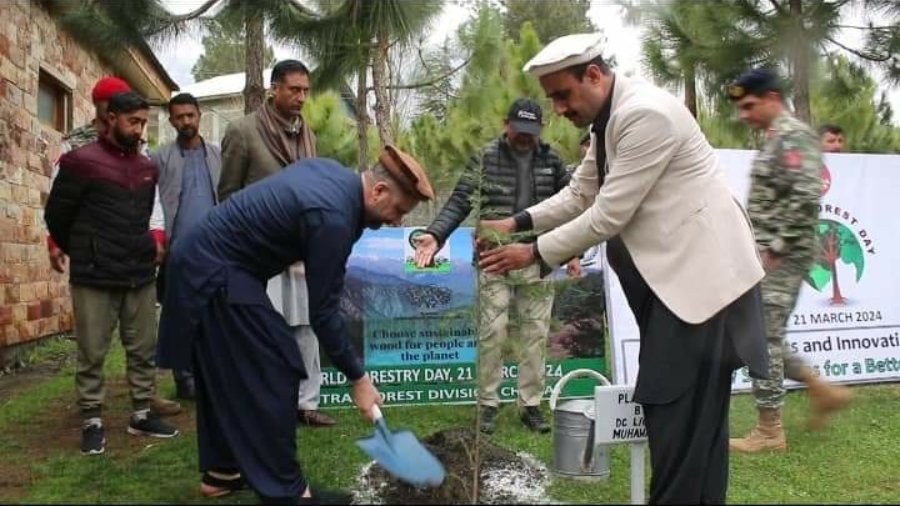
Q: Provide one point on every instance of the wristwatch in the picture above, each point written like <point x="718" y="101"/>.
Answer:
<point x="545" y="269"/>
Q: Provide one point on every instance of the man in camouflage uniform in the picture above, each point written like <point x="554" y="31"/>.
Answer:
<point x="103" y="90"/>
<point x="783" y="207"/>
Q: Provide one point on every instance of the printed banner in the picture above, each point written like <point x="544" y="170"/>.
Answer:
<point x="416" y="328"/>
<point x="846" y="323"/>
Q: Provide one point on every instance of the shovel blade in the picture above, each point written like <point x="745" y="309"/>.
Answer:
<point x="404" y="456"/>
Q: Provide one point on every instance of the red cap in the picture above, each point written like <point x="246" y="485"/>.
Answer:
<point x="108" y="86"/>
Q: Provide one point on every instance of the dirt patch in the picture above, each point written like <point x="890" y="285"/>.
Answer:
<point x="505" y="478"/>
<point x="56" y="429"/>
<point x="20" y="374"/>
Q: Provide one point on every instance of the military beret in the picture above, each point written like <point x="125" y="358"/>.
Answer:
<point x="564" y="52"/>
<point x="406" y="171"/>
<point x="754" y="82"/>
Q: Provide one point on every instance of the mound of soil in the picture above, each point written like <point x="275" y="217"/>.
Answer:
<point x="505" y="477"/>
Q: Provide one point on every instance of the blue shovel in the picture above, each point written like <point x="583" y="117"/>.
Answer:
<point x="402" y="455"/>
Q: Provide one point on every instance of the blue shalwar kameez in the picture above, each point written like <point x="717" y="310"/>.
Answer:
<point x="245" y="359"/>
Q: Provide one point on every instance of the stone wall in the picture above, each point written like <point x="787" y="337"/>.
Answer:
<point x="34" y="300"/>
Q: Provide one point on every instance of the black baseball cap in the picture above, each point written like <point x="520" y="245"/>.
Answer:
<point x="525" y="116"/>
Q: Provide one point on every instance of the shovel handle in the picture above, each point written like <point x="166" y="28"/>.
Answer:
<point x="376" y="412"/>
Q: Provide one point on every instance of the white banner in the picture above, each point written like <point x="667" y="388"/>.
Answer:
<point x="847" y="320"/>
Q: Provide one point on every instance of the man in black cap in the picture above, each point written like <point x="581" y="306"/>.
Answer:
<point x="511" y="173"/>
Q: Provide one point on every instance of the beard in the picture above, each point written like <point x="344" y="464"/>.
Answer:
<point x="127" y="141"/>
<point x="187" y="133"/>
<point x="522" y="147"/>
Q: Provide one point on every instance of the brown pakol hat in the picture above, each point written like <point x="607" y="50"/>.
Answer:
<point x="406" y="171"/>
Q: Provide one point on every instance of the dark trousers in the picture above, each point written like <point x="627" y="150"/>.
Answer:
<point x="246" y="379"/>
<point x="180" y="377"/>
<point x="688" y="437"/>
<point x="684" y="385"/>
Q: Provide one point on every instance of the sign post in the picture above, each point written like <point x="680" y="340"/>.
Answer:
<point x="621" y="420"/>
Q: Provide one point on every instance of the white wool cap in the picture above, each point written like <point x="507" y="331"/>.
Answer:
<point x="566" y="51"/>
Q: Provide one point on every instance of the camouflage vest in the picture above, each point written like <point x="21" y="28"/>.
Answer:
<point x="82" y="135"/>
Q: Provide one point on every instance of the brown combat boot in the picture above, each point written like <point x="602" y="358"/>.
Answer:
<point x="767" y="435"/>
<point x="824" y="399"/>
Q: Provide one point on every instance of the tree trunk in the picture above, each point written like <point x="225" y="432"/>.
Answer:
<point x="833" y="253"/>
<point x="837" y="298"/>
<point x="382" y="99"/>
<point x="690" y="89"/>
<point x="362" y="118"/>
<point x="799" y="56"/>
<point x="254" y="59"/>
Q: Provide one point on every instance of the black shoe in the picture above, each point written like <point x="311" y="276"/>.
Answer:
<point x="93" y="440"/>
<point x="314" y="418"/>
<point x="184" y="389"/>
<point x="326" y="497"/>
<point x="533" y="419"/>
<point x="488" y="420"/>
<point x="211" y="486"/>
<point x="147" y="423"/>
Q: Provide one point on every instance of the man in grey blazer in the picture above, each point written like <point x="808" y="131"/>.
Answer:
<point x="189" y="171"/>
<point x="255" y="147"/>
<point x="681" y="245"/>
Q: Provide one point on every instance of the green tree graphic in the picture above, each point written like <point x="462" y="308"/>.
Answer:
<point x="835" y="241"/>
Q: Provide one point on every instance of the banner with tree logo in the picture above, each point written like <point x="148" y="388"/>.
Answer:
<point x="416" y="331"/>
<point x="846" y="323"/>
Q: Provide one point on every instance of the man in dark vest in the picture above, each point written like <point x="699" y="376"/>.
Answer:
<point x="508" y="175"/>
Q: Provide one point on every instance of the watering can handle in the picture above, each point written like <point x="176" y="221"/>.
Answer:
<point x="557" y="389"/>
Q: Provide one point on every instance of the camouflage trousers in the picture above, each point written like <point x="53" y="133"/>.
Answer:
<point x="780" y="289"/>
<point x="532" y="299"/>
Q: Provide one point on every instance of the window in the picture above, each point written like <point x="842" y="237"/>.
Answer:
<point x="54" y="103"/>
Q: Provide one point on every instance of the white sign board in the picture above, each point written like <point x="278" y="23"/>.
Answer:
<point x="618" y="419"/>
<point x="846" y="324"/>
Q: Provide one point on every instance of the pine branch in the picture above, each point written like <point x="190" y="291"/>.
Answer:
<point x="424" y="84"/>
<point x="196" y="13"/>
<point x="778" y="8"/>
<point x="865" y="56"/>
<point x="874" y="28"/>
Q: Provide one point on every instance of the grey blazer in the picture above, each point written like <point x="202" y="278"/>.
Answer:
<point x="170" y="161"/>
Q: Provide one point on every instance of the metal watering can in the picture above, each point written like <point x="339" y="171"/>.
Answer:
<point x="574" y="453"/>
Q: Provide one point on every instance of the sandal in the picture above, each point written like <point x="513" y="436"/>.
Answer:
<point x="212" y="486"/>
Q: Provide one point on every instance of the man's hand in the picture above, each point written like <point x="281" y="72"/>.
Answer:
<point x="503" y="259"/>
<point x="771" y="262"/>
<point x="160" y="254"/>
<point x="573" y="268"/>
<point x="58" y="260"/>
<point x="426" y="248"/>
<point x="365" y="396"/>
<point x="504" y="226"/>
<point x="489" y="233"/>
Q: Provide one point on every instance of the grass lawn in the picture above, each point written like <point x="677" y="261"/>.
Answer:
<point x="854" y="460"/>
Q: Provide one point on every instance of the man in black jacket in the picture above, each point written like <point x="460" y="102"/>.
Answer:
<point x="509" y="174"/>
<point x="98" y="213"/>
